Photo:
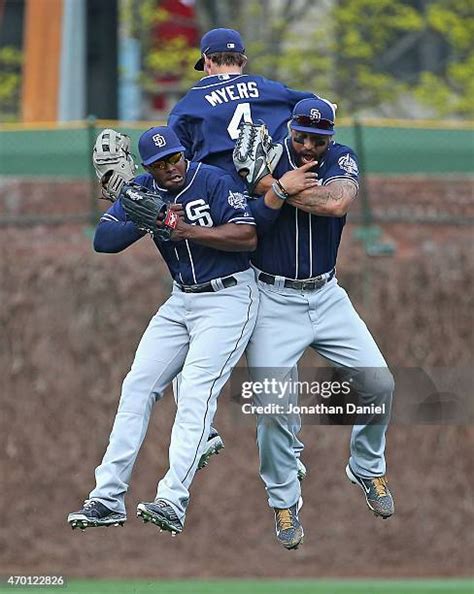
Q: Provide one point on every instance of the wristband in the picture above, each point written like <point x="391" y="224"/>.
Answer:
<point x="276" y="187"/>
<point x="282" y="189"/>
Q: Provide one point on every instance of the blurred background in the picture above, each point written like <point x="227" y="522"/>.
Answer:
<point x="401" y="72"/>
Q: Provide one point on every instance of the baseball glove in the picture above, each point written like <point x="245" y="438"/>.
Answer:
<point x="146" y="208"/>
<point x="113" y="162"/>
<point x="254" y="154"/>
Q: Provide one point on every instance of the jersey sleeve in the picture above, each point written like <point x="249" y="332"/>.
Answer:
<point x="227" y="201"/>
<point x="295" y="96"/>
<point x="114" y="233"/>
<point x="264" y="215"/>
<point x="344" y="165"/>
<point x="181" y="128"/>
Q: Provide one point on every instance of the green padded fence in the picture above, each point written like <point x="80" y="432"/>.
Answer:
<point x="389" y="147"/>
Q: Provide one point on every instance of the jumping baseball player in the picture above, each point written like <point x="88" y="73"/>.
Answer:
<point x="203" y="229"/>
<point x="300" y="219"/>
<point x="208" y="118"/>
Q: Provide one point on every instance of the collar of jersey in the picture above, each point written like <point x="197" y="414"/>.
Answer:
<point x="191" y="170"/>
<point x="205" y="82"/>
<point x="224" y="73"/>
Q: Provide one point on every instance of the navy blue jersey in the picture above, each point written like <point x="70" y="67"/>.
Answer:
<point x="207" y="118"/>
<point x="300" y="245"/>
<point x="210" y="198"/>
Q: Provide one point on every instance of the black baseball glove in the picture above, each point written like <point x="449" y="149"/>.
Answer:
<point x="146" y="209"/>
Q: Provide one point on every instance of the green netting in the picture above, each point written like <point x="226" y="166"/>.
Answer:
<point x="386" y="150"/>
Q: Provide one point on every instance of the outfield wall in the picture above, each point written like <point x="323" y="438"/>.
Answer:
<point x="387" y="146"/>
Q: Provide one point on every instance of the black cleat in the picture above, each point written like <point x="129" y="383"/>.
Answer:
<point x="162" y="514"/>
<point x="214" y="446"/>
<point x="94" y="514"/>
<point x="376" y="491"/>
<point x="288" y="527"/>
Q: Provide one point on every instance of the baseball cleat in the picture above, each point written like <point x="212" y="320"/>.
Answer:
<point x="302" y="472"/>
<point x="214" y="446"/>
<point x="94" y="514"/>
<point x="376" y="492"/>
<point x="160" y="513"/>
<point x="288" y="527"/>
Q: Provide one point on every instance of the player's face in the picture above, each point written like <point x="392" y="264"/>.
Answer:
<point x="169" y="172"/>
<point x="309" y="147"/>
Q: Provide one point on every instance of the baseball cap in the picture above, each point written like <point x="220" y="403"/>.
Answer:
<point x="220" y="40"/>
<point x="157" y="143"/>
<point x="314" y="116"/>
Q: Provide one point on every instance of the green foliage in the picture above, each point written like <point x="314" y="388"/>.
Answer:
<point x="452" y="91"/>
<point x="10" y="82"/>
<point x="172" y="58"/>
<point x="364" y="30"/>
<point x="347" y="50"/>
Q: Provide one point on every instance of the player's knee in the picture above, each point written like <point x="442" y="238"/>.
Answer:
<point x="137" y="394"/>
<point x="380" y="384"/>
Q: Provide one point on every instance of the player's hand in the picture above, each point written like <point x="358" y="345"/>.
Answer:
<point x="300" y="179"/>
<point x="176" y="208"/>
<point x="181" y="231"/>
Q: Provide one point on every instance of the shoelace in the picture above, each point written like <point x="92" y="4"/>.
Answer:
<point x="284" y="519"/>
<point x="380" y="485"/>
<point x="248" y="137"/>
<point x="88" y="503"/>
<point x="170" y="511"/>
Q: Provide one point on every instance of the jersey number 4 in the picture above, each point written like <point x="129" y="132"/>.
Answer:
<point x="242" y="112"/>
<point x="198" y="211"/>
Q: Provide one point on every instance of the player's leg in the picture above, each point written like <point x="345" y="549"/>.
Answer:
<point x="281" y="334"/>
<point x="220" y="326"/>
<point x="344" y="339"/>
<point x="214" y="442"/>
<point x="158" y="359"/>
<point x="295" y="428"/>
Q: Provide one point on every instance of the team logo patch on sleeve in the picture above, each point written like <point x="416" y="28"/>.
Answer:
<point x="347" y="163"/>
<point x="237" y="200"/>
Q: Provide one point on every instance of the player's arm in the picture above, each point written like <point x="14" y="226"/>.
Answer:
<point x="331" y="200"/>
<point x="266" y="208"/>
<point x="114" y="233"/>
<point x="230" y="225"/>
<point x="264" y="184"/>
<point x="290" y="184"/>
<point x="229" y="237"/>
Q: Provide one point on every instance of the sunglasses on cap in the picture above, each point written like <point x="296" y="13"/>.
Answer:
<point x="309" y="122"/>
<point x="171" y="160"/>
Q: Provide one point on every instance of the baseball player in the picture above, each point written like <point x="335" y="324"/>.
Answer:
<point x="208" y="118"/>
<point x="192" y="333"/>
<point x="303" y="213"/>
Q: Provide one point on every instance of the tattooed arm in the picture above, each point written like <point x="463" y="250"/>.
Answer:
<point x="333" y="200"/>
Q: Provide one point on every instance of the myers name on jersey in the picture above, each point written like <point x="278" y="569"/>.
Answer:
<point x="240" y="90"/>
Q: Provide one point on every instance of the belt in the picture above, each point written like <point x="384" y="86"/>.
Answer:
<point x="312" y="284"/>
<point x="228" y="281"/>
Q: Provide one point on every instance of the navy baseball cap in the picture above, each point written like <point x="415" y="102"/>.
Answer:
<point x="157" y="143"/>
<point x="314" y="116"/>
<point x="220" y="40"/>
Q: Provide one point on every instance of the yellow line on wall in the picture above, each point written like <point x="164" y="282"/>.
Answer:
<point x="144" y="124"/>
